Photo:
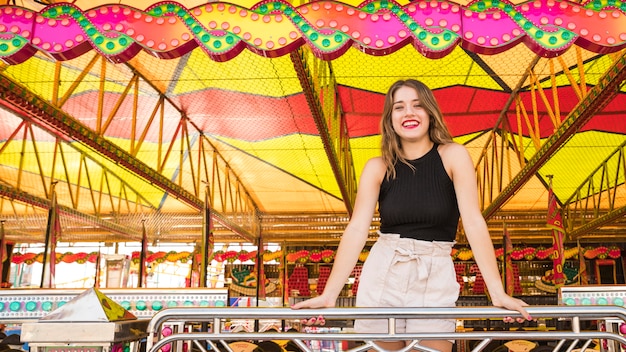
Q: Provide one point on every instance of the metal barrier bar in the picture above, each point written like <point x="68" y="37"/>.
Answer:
<point x="218" y="316"/>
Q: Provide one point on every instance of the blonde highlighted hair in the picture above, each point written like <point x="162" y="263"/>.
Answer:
<point x="391" y="144"/>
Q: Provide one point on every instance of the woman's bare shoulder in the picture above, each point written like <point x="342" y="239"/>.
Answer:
<point x="455" y="157"/>
<point x="452" y="150"/>
<point x="376" y="161"/>
<point x="375" y="167"/>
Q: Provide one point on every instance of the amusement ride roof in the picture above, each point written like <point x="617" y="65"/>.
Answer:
<point x="138" y="114"/>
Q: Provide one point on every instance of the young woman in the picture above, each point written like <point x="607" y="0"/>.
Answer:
<point x="422" y="184"/>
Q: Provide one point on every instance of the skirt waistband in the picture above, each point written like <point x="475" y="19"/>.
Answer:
<point x="419" y="247"/>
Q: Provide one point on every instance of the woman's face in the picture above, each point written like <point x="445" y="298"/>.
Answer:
<point x="409" y="119"/>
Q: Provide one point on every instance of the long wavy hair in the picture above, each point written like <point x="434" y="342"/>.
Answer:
<point x="391" y="145"/>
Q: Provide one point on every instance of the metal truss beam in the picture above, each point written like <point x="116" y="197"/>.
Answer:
<point x="27" y="105"/>
<point x="595" y="100"/>
<point x="329" y="119"/>
<point x="599" y="192"/>
<point x="83" y="173"/>
<point x="490" y="165"/>
<point x="597" y="223"/>
<point x="15" y="194"/>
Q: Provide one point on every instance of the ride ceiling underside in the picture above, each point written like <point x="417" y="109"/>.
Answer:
<point x="144" y="113"/>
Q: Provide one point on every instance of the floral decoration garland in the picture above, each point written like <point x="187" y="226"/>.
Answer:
<point x="542" y="253"/>
<point x="315" y="255"/>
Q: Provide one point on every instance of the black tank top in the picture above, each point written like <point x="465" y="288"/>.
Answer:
<point x="421" y="203"/>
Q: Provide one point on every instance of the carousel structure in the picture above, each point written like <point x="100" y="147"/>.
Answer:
<point x="249" y="122"/>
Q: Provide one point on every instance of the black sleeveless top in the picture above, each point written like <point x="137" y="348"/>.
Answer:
<point x="421" y="203"/>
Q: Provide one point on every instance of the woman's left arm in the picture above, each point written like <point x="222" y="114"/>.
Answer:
<point x="460" y="167"/>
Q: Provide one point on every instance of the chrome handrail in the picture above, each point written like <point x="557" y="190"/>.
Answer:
<point x="218" y="315"/>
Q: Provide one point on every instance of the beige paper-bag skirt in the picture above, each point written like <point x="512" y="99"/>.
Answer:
<point x="403" y="272"/>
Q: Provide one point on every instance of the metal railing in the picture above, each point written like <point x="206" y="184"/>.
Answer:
<point x="217" y="337"/>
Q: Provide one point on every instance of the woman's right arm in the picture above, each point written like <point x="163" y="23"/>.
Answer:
<point x="354" y="236"/>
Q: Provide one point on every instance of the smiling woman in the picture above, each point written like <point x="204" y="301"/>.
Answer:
<point x="421" y="188"/>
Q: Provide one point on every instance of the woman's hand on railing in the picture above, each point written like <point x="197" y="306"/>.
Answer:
<point x="314" y="321"/>
<point x="315" y="302"/>
<point x="320" y="301"/>
<point x="512" y="303"/>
